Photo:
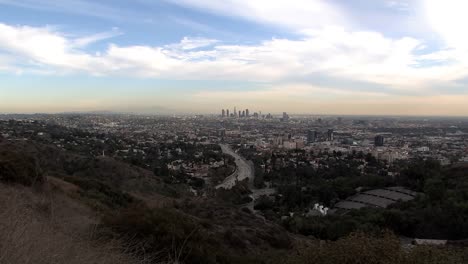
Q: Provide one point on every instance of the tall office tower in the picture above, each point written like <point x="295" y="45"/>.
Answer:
<point x="223" y="113"/>
<point x="239" y="113"/>
<point x="311" y="136"/>
<point x="379" y="141"/>
<point x="243" y="113"/>
<point x="330" y="136"/>
<point x="285" y="116"/>
<point x="227" y="113"/>
<point x="235" y="111"/>
<point x="247" y="113"/>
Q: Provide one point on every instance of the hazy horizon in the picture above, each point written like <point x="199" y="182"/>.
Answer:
<point x="215" y="114"/>
<point x="395" y="58"/>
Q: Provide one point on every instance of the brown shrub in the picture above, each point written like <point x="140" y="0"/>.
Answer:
<point x="361" y="248"/>
<point x="33" y="229"/>
<point x="19" y="168"/>
<point x="164" y="233"/>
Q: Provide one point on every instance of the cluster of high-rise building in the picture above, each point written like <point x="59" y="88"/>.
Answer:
<point x="241" y="113"/>
<point x="225" y="113"/>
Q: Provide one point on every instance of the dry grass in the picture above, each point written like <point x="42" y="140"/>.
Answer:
<point x="38" y="228"/>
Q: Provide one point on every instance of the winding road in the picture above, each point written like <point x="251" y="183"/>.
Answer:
<point x="243" y="170"/>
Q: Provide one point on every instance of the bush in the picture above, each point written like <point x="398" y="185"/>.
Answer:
<point x="99" y="194"/>
<point x="30" y="236"/>
<point x="20" y="168"/>
<point x="238" y="194"/>
<point x="163" y="232"/>
<point x="264" y="203"/>
<point x="385" y="248"/>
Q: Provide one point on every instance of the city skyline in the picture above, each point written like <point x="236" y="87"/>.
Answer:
<point x="405" y="57"/>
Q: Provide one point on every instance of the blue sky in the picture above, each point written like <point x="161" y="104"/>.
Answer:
<point x="301" y="56"/>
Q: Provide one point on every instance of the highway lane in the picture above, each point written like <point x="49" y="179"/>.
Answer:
<point x="243" y="169"/>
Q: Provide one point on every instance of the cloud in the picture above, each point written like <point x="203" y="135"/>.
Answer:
<point x="326" y="43"/>
<point x="292" y="14"/>
<point x="399" y="63"/>
<point x="37" y="48"/>
<point x="78" y="7"/>
<point x="401" y="5"/>
<point x="87" y="40"/>
<point x="448" y="19"/>
<point x="188" y="43"/>
<point x="186" y="22"/>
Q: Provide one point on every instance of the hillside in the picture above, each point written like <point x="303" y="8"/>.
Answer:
<point x="125" y="199"/>
<point x="48" y="227"/>
<point x="61" y="207"/>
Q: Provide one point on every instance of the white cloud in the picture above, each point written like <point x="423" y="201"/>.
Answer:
<point x="193" y="43"/>
<point x="292" y="14"/>
<point x="329" y="46"/>
<point x="186" y="22"/>
<point x="448" y="19"/>
<point x="37" y="44"/>
<point x="333" y="52"/>
<point x="78" y="7"/>
<point x="87" y="40"/>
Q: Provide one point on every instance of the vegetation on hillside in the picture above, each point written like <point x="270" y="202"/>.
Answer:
<point x="107" y="211"/>
<point x="50" y="228"/>
<point x="123" y="210"/>
<point x="382" y="248"/>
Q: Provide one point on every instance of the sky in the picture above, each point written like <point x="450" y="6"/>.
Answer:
<point x="379" y="57"/>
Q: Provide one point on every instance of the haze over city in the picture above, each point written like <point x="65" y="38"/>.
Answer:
<point x="401" y="57"/>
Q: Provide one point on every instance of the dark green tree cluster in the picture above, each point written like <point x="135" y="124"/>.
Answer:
<point x="439" y="212"/>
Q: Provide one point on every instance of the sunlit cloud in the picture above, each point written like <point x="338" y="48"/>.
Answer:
<point x="448" y="19"/>
<point x="292" y="14"/>
<point x="319" y="40"/>
<point x="360" y="55"/>
<point x="87" y="40"/>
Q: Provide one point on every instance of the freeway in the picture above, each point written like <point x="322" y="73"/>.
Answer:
<point x="243" y="170"/>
